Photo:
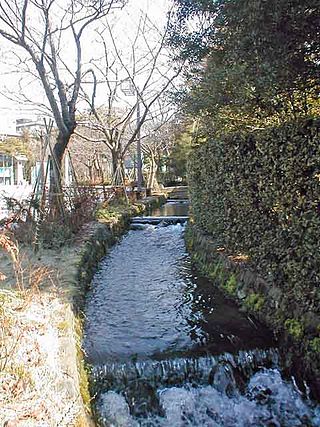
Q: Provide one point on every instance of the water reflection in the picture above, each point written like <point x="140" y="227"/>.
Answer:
<point x="147" y="301"/>
<point x="172" y="209"/>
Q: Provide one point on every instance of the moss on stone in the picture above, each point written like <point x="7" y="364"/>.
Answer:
<point x="214" y="270"/>
<point x="230" y="286"/>
<point x="83" y="372"/>
<point x="294" y="327"/>
<point x="254" y="301"/>
<point x="300" y="334"/>
<point x="113" y="213"/>
<point x="314" y="345"/>
<point x="152" y="202"/>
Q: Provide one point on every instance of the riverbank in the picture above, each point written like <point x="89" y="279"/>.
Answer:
<point x="40" y="384"/>
<point x="299" y="341"/>
<point x="43" y="376"/>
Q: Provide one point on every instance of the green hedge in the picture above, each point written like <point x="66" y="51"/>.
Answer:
<point x="258" y="194"/>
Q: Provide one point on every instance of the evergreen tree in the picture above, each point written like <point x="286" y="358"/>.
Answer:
<point x="251" y="64"/>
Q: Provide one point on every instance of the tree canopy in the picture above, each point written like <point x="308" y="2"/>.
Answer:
<point x="251" y="63"/>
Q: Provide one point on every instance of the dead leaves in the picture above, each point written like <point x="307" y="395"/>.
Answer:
<point x="11" y="248"/>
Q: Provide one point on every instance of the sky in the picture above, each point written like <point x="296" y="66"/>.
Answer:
<point x="125" y="22"/>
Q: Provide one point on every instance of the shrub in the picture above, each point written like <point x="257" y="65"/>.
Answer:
<point x="259" y="194"/>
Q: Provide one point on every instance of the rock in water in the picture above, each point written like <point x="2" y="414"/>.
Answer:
<point x="114" y="411"/>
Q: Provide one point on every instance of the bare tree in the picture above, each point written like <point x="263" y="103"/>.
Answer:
<point x="146" y="74"/>
<point x="91" y="163"/>
<point x="157" y="144"/>
<point x="43" y="29"/>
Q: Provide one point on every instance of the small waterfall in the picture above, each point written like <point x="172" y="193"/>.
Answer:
<point x="169" y="350"/>
<point x="177" y="371"/>
<point x="245" y="389"/>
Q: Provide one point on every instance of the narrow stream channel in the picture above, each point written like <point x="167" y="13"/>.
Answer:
<point x="168" y="349"/>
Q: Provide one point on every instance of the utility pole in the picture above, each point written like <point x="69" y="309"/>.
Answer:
<point x="129" y="90"/>
<point x="139" y="156"/>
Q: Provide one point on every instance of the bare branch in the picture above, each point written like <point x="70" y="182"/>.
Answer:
<point x="41" y="28"/>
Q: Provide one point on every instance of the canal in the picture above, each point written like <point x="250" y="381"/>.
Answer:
<point x="168" y="349"/>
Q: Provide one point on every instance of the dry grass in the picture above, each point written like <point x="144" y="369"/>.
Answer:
<point x="36" y="387"/>
<point x="31" y="375"/>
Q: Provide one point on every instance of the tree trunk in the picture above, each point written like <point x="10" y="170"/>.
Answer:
<point x="99" y="168"/>
<point x="56" y="200"/>
<point x="152" y="181"/>
<point x="118" y="173"/>
<point x="90" y="167"/>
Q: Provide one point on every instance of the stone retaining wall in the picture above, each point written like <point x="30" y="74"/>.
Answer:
<point x="264" y="300"/>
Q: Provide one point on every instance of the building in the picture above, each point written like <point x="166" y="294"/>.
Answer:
<point x="12" y="169"/>
<point x="14" y="123"/>
<point x="8" y="124"/>
<point x="34" y="124"/>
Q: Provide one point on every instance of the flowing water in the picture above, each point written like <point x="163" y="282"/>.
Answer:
<point x="173" y="207"/>
<point x="168" y="349"/>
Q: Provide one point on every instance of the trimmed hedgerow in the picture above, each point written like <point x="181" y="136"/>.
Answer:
<point x="259" y="194"/>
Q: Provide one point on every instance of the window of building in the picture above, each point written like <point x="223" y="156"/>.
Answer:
<point x="5" y="161"/>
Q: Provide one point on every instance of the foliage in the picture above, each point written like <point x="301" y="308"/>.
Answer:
<point x="177" y="161"/>
<point x="33" y="223"/>
<point x="254" y="301"/>
<point x="82" y="365"/>
<point x="14" y="146"/>
<point x="278" y="33"/>
<point x="253" y="64"/>
<point x="315" y="345"/>
<point x="231" y="285"/>
<point x="112" y="212"/>
<point x="11" y="248"/>
<point x="259" y="194"/>
<point x="253" y="86"/>
<point x="294" y="327"/>
<point x="55" y="232"/>
<point x="215" y="270"/>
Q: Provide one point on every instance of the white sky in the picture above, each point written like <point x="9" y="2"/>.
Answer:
<point x="126" y="23"/>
